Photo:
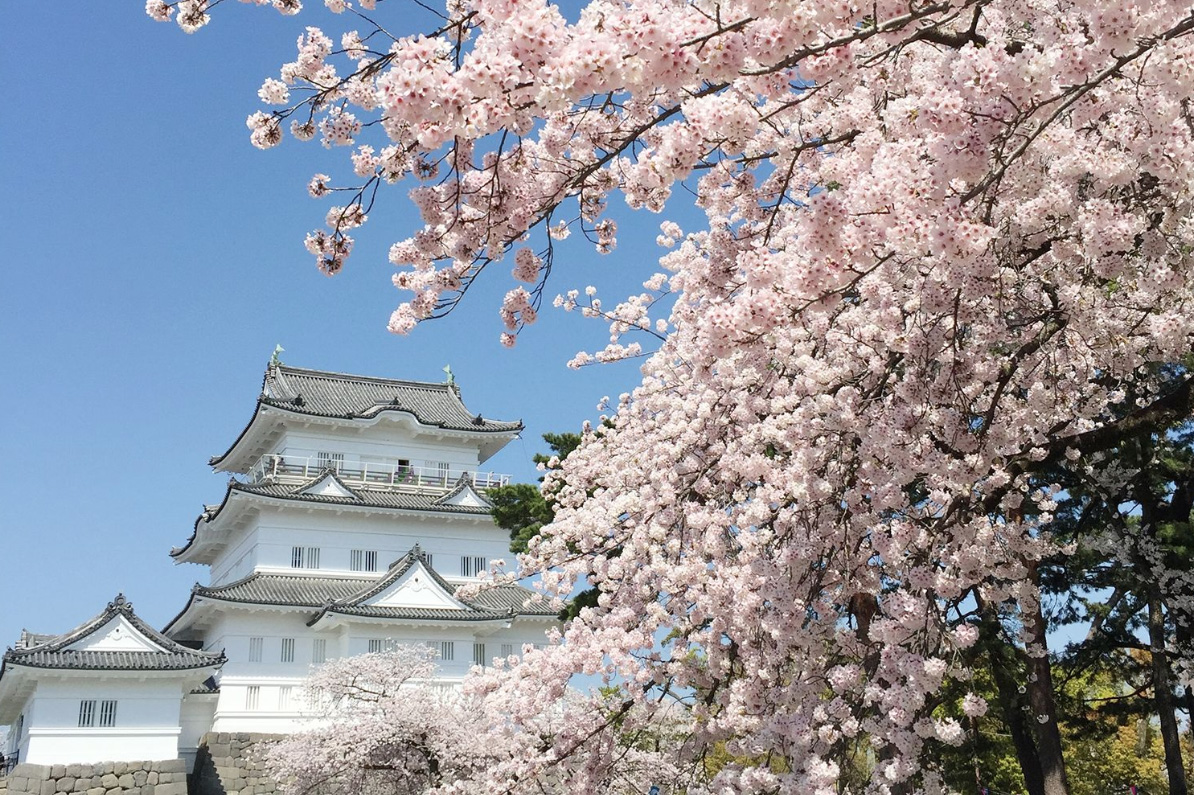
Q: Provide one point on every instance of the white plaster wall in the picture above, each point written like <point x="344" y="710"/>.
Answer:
<point x="270" y="675"/>
<point x="392" y="536"/>
<point x="385" y="441"/>
<point x="196" y="717"/>
<point x="268" y="542"/>
<point x="19" y="743"/>
<point x="147" y="721"/>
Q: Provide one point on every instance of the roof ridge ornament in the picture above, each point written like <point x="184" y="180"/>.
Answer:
<point x="275" y="359"/>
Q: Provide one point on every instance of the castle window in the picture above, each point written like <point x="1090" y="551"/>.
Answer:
<point x="284" y="698"/>
<point x="319" y="650"/>
<point x="507" y="650"/>
<point x="363" y="560"/>
<point x="87" y="713"/>
<point x="473" y="565"/>
<point x="255" y="647"/>
<point x="376" y="645"/>
<point x="479" y="654"/>
<point x="287" y="650"/>
<point x="447" y="650"/>
<point x="304" y="557"/>
<point x="323" y="460"/>
<point x="252" y="697"/>
<point x="107" y="713"/>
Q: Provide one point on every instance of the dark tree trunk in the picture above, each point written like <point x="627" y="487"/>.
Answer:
<point x="1043" y="703"/>
<point x="1163" y="694"/>
<point x="1011" y="701"/>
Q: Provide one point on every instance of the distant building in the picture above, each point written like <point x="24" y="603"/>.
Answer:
<point x="356" y="509"/>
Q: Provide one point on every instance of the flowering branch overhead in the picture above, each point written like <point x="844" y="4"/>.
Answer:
<point x="944" y="242"/>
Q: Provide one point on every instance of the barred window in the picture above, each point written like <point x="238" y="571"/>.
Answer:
<point x="447" y="650"/>
<point x="479" y="654"/>
<point x="87" y="713"/>
<point x="323" y="460"/>
<point x="252" y="697"/>
<point x="107" y="713"/>
<point x="319" y="650"/>
<point x="473" y="565"/>
<point x="304" y="557"/>
<point x="507" y="650"/>
<point x="363" y="560"/>
<point x="287" y="650"/>
<point x="284" y="697"/>
<point x="376" y="645"/>
<point x="255" y="647"/>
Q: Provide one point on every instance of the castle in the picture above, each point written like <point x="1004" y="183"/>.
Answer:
<point x="356" y="509"/>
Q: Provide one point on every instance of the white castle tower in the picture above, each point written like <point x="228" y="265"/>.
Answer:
<point x="355" y="510"/>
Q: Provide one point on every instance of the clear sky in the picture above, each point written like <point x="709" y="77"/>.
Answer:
<point x="153" y="258"/>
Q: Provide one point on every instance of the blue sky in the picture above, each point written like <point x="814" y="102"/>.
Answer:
<point x="153" y="260"/>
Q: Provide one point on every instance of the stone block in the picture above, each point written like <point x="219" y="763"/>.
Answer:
<point x="177" y="788"/>
<point x="140" y="778"/>
<point x="115" y="791"/>
<point x="18" y="783"/>
<point x="125" y="781"/>
<point x="151" y="777"/>
<point x="172" y="766"/>
<point x="82" y="785"/>
<point x="148" y="789"/>
<point x="120" y="768"/>
<point x="47" y="787"/>
<point x="34" y="772"/>
<point x="66" y="784"/>
<point x="57" y="771"/>
<point x="109" y="780"/>
<point x="96" y="791"/>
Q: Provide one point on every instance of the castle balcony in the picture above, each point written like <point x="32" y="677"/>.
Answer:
<point x="291" y="469"/>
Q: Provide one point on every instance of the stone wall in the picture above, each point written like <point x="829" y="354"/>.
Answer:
<point x="226" y="765"/>
<point x="168" y="777"/>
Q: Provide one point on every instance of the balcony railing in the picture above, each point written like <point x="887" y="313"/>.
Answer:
<point x="399" y="477"/>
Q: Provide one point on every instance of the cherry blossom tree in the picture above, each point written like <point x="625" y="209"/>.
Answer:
<point x="378" y="730"/>
<point x="945" y="241"/>
<point x="381" y="727"/>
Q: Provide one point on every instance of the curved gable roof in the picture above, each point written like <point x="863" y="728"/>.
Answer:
<point x="318" y="393"/>
<point x="40" y="651"/>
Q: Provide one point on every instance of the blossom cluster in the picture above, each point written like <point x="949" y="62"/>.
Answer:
<point x="942" y="242"/>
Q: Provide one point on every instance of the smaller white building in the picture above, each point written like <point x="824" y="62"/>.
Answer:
<point x="111" y="690"/>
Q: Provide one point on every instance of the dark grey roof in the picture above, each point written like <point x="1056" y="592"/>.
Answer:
<point x="284" y="590"/>
<point x="344" y="595"/>
<point x="49" y="651"/>
<point x="341" y="395"/>
<point x="373" y="498"/>
<point x="365" y="497"/>
<point x="325" y="394"/>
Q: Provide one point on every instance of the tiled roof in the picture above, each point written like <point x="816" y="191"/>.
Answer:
<point x="50" y="651"/>
<point x="365" y="497"/>
<point x="344" y="596"/>
<point x="373" y="498"/>
<point x="340" y="395"/>
<point x="284" y="590"/>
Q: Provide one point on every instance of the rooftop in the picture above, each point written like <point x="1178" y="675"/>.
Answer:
<point x="83" y="648"/>
<point x="316" y="393"/>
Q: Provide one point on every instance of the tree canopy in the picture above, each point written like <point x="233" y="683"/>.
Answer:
<point x="945" y="255"/>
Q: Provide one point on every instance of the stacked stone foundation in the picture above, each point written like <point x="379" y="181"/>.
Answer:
<point x="166" y="777"/>
<point x="226" y="764"/>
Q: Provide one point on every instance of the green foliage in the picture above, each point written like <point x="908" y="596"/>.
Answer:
<point x="520" y="508"/>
